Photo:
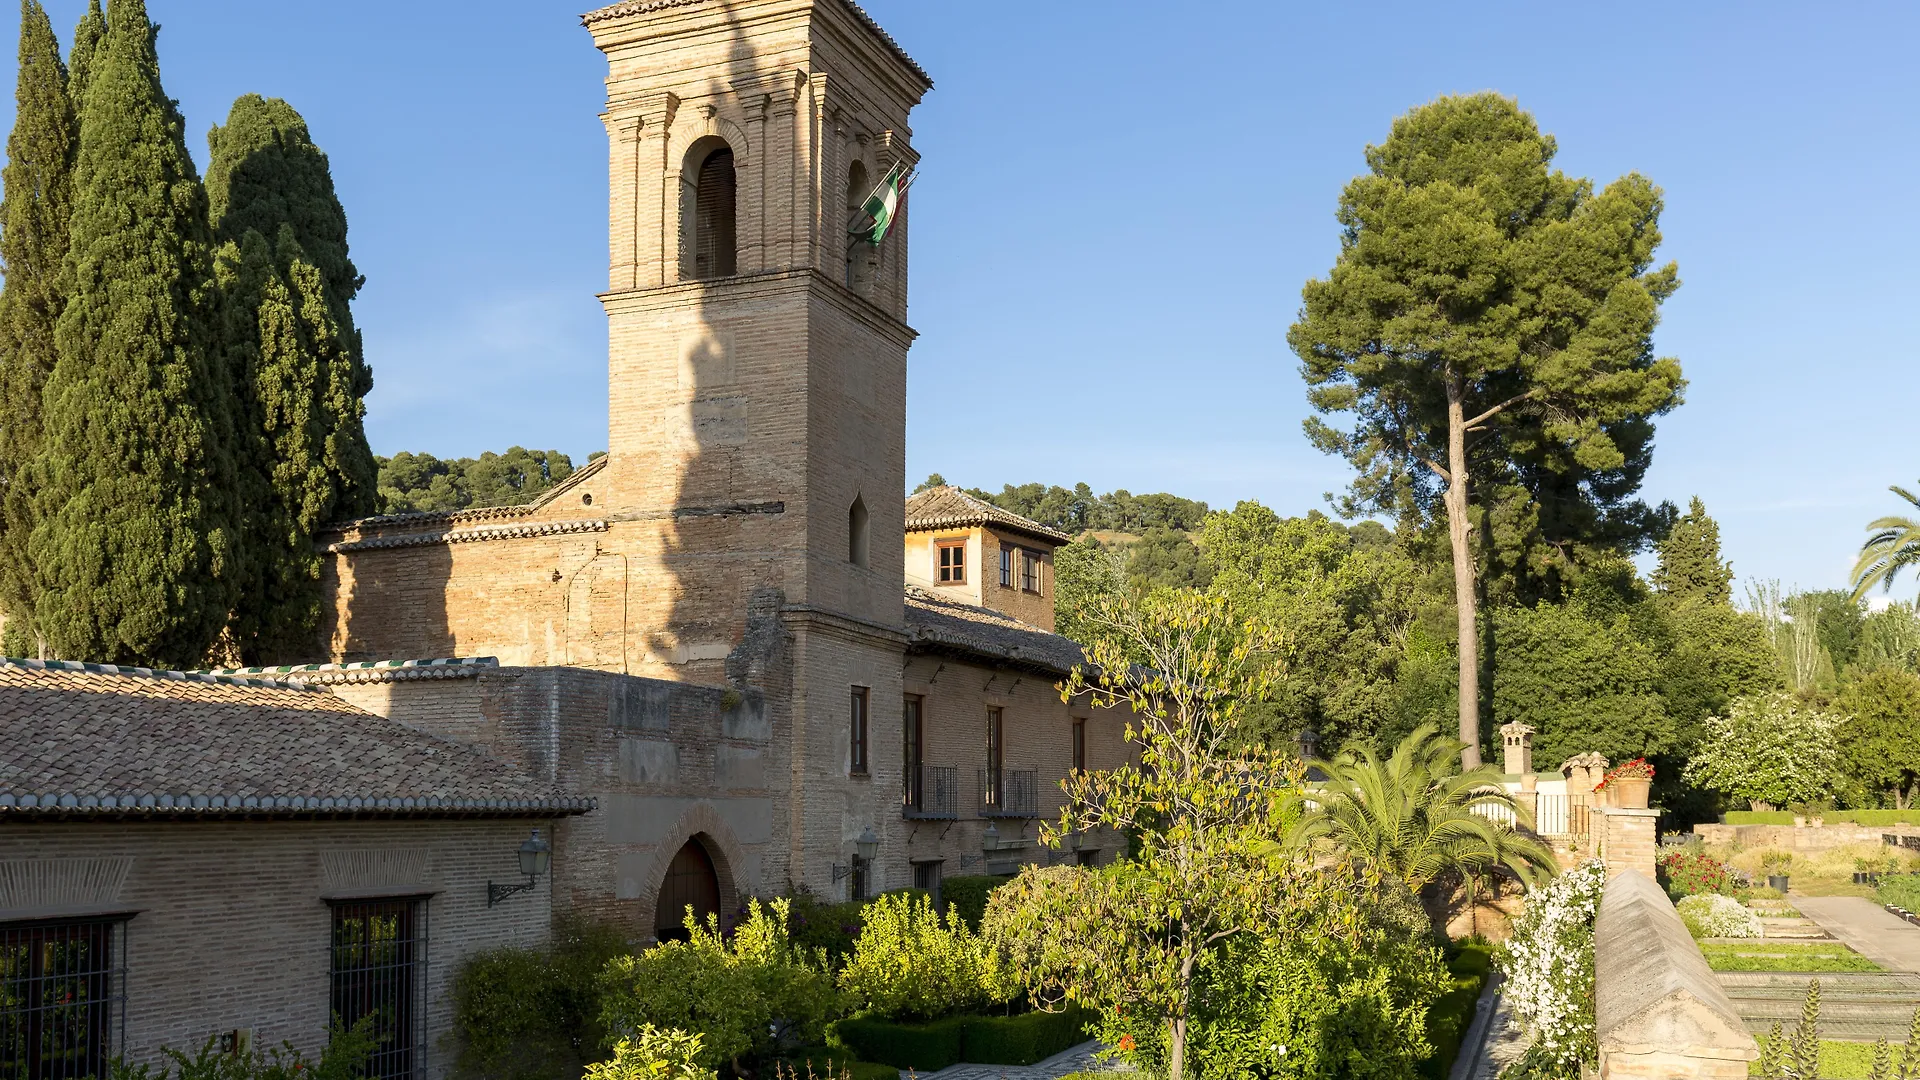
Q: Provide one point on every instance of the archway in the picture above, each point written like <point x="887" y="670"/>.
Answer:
<point x="691" y="881"/>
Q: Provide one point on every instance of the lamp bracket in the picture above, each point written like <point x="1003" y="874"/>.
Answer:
<point x="841" y="871"/>
<point x="497" y="893"/>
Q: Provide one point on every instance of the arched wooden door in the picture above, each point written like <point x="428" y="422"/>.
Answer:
<point x="690" y="880"/>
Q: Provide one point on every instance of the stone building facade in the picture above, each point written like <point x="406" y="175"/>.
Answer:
<point x="726" y="629"/>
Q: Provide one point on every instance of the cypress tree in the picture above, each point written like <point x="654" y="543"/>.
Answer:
<point x="287" y="285"/>
<point x="133" y="546"/>
<point x="1690" y="564"/>
<point x="86" y="39"/>
<point x="38" y="179"/>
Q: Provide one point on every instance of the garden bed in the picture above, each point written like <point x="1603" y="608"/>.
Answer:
<point x="978" y="1040"/>
<point x="1764" y="955"/>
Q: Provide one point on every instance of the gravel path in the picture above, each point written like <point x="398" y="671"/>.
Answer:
<point x="1865" y="927"/>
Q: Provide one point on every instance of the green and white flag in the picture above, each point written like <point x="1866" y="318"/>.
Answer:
<point x="881" y="206"/>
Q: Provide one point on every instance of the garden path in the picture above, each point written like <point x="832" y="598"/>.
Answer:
<point x="1076" y="1059"/>
<point x="1865" y="927"/>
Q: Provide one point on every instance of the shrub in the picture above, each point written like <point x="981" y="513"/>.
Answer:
<point x="968" y="893"/>
<point x="653" y="1054"/>
<point x="922" y="1047"/>
<point x="1549" y="964"/>
<point x="1713" y="916"/>
<point x="1686" y="873"/>
<point x="1025" y="1039"/>
<point x="345" y="1057"/>
<point x="910" y="963"/>
<point x="1448" y="1020"/>
<point x="750" y="996"/>
<point x="1900" y="890"/>
<point x="1769" y="748"/>
<point x="533" y="1014"/>
<point x="831" y="928"/>
<point x="825" y="1063"/>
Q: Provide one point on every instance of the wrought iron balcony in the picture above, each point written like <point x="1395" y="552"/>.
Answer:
<point x="1009" y="793"/>
<point x="931" y="792"/>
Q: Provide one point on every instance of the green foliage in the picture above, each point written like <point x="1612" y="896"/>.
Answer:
<point x="968" y="894"/>
<point x="1166" y="558"/>
<point x="33" y="244"/>
<point x="1881" y="747"/>
<point x="750" y="995"/>
<point x="533" y="1014"/>
<point x="134" y="538"/>
<point x="1784" y="956"/>
<point x="411" y="483"/>
<point x="1582" y="683"/>
<point x="1080" y="510"/>
<point x="654" y="1054"/>
<point x="1769" y="748"/>
<point x="1900" y="890"/>
<point x="1417" y="816"/>
<point x="86" y="42"/>
<point x="825" y="1063"/>
<point x="345" y="1057"/>
<point x="910" y="963"/>
<point x="1027" y="1038"/>
<point x="924" y="1047"/>
<point x="1470" y="962"/>
<point x="286" y="286"/>
<point x="831" y="929"/>
<point x="1085" y="574"/>
<point x="1893" y="544"/>
<point x="1690" y="565"/>
<point x="1689" y="873"/>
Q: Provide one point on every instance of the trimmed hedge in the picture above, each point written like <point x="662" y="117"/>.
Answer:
<point x="1448" y="1019"/>
<point x="968" y="893"/>
<point x="827" y="1064"/>
<point x="978" y="1040"/>
<point x="921" y="1047"/>
<point x="1837" y="817"/>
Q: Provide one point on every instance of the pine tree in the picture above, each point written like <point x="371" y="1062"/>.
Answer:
<point x="1690" y="565"/>
<point x="287" y="285"/>
<point x="38" y="203"/>
<point x="86" y="40"/>
<point x="133" y="545"/>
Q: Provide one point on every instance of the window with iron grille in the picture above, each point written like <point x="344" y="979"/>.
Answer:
<point x="990" y="790"/>
<point x="857" y="736"/>
<point x="926" y="878"/>
<point x="379" y="953"/>
<point x="911" y="792"/>
<point x="953" y="561"/>
<point x="63" y="988"/>
<point x="1079" y="744"/>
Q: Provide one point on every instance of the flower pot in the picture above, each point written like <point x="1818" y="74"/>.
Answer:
<point x="1630" y="792"/>
<point x="1859" y="878"/>
<point x="1778" y="883"/>
<point x="1799" y="822"/>
<point x="1817" y="822"/>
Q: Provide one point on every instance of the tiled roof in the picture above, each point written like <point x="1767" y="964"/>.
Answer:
<point x="941" y="624"/>
<point x="951" y="508"/>
<point x="367" y="671"/>
<point x="475" y="513"/>
<point x="90" y="740"/>
<point x="646" y="7"/>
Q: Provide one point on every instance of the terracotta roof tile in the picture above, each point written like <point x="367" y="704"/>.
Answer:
<point x="938" y="623"/>
<point x="951" y="508"/>
<point x="92" y="740"/>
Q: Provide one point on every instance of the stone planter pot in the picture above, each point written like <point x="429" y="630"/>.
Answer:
<point x="1860" y="878"/>
<point x="1629" y="792"/>
<point x="1799" y="822"/>
<point x="1778" y="883"/>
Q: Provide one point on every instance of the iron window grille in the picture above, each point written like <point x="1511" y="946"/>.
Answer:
<point x="857" y="736"/>
<point x="1009" y="793"/>
<point x="933" y="792"/>
<point x="63" y="992"/>
<point x="377" y="971"/>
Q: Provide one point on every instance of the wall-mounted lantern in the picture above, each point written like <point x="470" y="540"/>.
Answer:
<point x="866" y="847"/>
<point x="535" y="857"/>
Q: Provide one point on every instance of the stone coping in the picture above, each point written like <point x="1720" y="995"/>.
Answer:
<point x="1654" y="996"/>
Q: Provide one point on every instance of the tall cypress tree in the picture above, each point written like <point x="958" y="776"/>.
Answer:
<point x="287" y="285"/>
<point x="1690" y="564"/>
<point x="133" y="545"/>
<point x="35" y="212"/>
<point x="86" y="40"/>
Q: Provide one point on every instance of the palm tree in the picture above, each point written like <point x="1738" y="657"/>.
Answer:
<point x="1893" y="546"/>
<point x="1416" y="817"/>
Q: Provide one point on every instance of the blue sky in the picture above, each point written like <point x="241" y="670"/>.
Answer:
<point x="1119" y="203"/>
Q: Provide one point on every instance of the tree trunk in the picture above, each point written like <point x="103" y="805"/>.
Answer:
<point x="1177" y="1048"/>
<point x="1455" y="500"/>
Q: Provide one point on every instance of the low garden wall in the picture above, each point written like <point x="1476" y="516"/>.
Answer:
<point x="1658" y="1009"/>
<point x="1802" y="838"/>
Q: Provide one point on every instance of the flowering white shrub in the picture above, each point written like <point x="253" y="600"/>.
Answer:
<point x="1549" y="966"/>
<point x="1718" y="916"/>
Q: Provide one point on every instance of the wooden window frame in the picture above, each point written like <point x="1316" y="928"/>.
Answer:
<point x="956" y="573"/>
<point x="913" y="715"/>
<point x="1080" y="744"/>
<point x="1029" y="569"/>
<point x="996" y="756"/>
<point x="1006" y="567"/>
<point x="858" y="729"/>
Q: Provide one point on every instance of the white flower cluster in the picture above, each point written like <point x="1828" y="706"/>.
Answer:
<point x="1549" y="965"/>
<point x="1712" y="915"/>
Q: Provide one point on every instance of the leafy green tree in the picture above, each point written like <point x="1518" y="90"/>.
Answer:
<point x="1166" y="558"/>
<point x="1690" y="564"/>
<point x="133" y="541"/>
<point x="86" y="41"/>
<point x="1417" y="817"/>
<point x="1085" y="576"/>
<point x="1582" y="682"/>
<point x="1484" y="308"/>
<point x="1889" y="637"/>
<point x="413" y="483"/>
<point x="910" y="963"/>
<point x="1880" y="749"/>
<point x="933" y="480"/>
<point x="33" y="244"/>
<point x="1892" y="546"/>
<point x="1769" y="750"/>
<point x="286" y="285"/>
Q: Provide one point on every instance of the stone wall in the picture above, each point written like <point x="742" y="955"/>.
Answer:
<point x="233" y="926"/>
<point x="1658" y="1010"/>
<point x="1801" y="838"/>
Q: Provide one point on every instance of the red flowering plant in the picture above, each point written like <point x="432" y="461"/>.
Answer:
<point x="1639" y="768"/>
<point x="1689" y="873"/>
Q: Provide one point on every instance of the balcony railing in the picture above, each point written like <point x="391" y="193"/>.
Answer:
<point x="1009" y="793"/>
<point x="931" y="792"/>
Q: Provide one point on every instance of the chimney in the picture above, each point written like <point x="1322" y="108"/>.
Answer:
<point x="1517" y="739"/>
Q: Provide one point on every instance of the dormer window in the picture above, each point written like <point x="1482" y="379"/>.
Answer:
<point x="951" y="561"/>
<point x="1029" y="571"/>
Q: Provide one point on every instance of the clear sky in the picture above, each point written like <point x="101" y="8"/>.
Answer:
<point x="1118" y="205"/>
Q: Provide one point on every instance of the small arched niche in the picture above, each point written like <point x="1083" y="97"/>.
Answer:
<point x="858" y="533"/>
<point x="709" y="210"/>
<point x="691" y="881"/>
<point x="860" y="254"/>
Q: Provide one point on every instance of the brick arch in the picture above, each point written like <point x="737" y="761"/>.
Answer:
<point x="690" y="130"/>
<point x="700" y="823"/>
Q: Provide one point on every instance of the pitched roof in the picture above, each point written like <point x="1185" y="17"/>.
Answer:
<point x="951" y="508"/>
<point x="92" y="740"/>
<point x="647" y="7"/>
<point x="938" y="624"/>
